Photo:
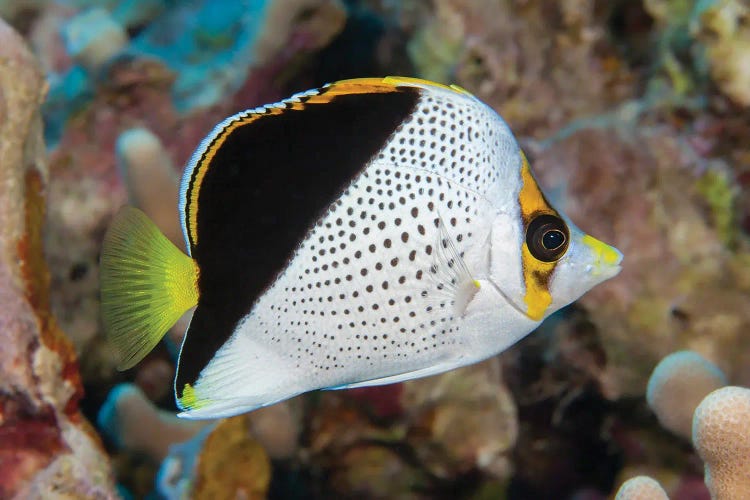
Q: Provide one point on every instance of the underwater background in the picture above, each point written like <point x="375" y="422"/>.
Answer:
<point x="635" y="116"/>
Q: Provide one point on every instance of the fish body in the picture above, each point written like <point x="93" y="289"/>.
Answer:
<point x="368" y="232"/>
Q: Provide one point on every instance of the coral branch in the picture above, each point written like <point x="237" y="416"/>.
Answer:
<point x="641" y="488"/>
<point x="722" y="437"/>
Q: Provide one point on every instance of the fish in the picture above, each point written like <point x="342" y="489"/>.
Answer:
<point x="367" y="232"/>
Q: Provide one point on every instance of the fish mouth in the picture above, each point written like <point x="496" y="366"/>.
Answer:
<point x="607" y="259"/>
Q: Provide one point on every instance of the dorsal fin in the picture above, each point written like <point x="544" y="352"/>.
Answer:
<point x="203" y="156"/>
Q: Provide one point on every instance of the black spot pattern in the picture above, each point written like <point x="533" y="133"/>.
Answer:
<point x="276" y="174"/>
<point x="378" y="308"/>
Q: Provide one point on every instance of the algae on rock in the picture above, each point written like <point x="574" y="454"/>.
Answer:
<point x="45" y="444"/>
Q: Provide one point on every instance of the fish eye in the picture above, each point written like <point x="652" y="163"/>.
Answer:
<point x="547" y="238"/>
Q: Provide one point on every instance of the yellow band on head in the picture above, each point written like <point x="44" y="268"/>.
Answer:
<point x="536" y="280"/>
<point x="536" y="273"/>
<point x="530" y="197"/>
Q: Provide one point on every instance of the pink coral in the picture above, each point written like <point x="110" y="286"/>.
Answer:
<point x="677" y="386"/>
<point x="151" y="179"/>
<point x="45" y="444"/>
<point x="721" y="434"/>
<point x="641" y="488"/>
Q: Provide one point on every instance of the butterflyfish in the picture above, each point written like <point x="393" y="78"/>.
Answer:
<point x="368" y="232"/>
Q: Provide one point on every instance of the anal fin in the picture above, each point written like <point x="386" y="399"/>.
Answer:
<point x="242" y="376"/>
<point x="401" y="377"/>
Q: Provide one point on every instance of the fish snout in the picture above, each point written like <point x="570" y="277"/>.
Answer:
<point x="605" y="259"/>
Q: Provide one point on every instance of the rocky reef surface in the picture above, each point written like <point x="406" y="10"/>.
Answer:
<point x="47" y="447"/>
<point x="635" y="116"/>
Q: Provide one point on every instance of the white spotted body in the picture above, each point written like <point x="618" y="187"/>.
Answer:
<point x="421" y="264"/>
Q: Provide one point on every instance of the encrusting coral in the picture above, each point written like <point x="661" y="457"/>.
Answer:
<point x="46" y="446"/>
<point x="721" y="435"/>
<point x="232" y="464"/>
<point x="265" y="436"/>
<point x="397" y="440"/>
<point x="722" y="26"/>
<point x="520" y="57"/>
<point x="677" y="386"/>
<point x="641" y="488"/>
<point x="464" y="420"/>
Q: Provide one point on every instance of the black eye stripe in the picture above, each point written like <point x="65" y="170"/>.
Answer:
<point x="547" y="237"/>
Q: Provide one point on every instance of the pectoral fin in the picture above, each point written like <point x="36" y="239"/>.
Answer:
<point x="453" y="282"/>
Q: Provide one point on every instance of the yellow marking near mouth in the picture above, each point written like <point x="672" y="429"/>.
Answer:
<point x="605" y="255"/>
<point x="536" y="273"/>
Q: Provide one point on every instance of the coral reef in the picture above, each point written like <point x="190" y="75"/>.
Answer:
<point x="175" y="477"/>
<point x="520" y="57"/>
<point x="85" y="113"/>
<point x="722" y="26"/>
<point x="232" y="464"/>
<point x="677" y="386"/>
<point x="269" y="433"/>
<point x="210" y="49"/>
<point x="136" y="90"/>
<point x="45" y="444"/>
<point x="685" y="386"/>
<point x="722" y="437"/>
<point x="463" y="420"/>
<point x="553" y="376"/>
<point x="277" y="429"/>
<point x="634" y="116"/>
<point x="639" y="184"/>
<point x="435" y="432"/>
<point x="151" y="179"/>
<point x="221" y="461"/>
<point x="621" y="163"/>
<point x="130" y="421"/>
<point x="641" y="488"/>
<point x="93" y="38"/>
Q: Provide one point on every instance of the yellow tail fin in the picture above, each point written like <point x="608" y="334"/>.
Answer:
<point x="146" y="285"/>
